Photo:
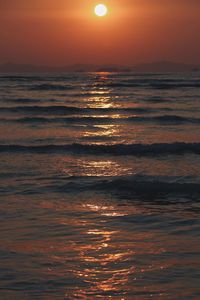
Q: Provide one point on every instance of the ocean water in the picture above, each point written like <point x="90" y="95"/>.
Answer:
<point x="100" y="186"/>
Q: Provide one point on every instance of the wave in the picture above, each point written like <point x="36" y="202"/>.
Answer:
<point x="50" y="87"/>
<point x="68" y="120"/>
<point x="163" y="119"/>
<point x="42" y="109"/>
<point x="152" y="84"/>
<point x="144" y="184"/>
<point x="24" y="101"/>
<point x="22" y="78"/>
<point x="177" y="85"/>
<point x="175" y="119"/>
<point x="61" y="109"/>
<point x="115" y="149"/>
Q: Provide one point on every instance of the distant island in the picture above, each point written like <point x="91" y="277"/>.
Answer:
<point x="163" y="66"/>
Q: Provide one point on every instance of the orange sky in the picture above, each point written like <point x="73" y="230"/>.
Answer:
<point x="63" y="32"/>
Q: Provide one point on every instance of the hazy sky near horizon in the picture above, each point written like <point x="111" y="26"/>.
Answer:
<point x="63" y="32"/>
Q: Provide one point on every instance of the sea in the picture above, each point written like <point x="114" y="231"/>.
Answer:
<point x="100" y="186"/>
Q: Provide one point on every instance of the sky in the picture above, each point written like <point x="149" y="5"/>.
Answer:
<point x="63" y="32"/>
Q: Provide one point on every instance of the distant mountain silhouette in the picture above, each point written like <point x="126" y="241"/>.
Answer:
<point x="163" y="66"/>
<point x="28" y="68"/>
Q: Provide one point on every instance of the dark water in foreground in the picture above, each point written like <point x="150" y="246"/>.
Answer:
<point x="100" y="186"/>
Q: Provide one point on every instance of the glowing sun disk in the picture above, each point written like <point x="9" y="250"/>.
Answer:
<point x="100" y="10"/>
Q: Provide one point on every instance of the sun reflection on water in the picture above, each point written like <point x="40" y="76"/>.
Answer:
<point x="90" y="168"/>
<point x="100" y="101"/>
<point x="108" y="259"/>
<point x="101" y="95"/>
<point x="104" y="266"/>
<point x="103" y="131"/>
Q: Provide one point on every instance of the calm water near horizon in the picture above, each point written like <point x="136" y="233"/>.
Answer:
<point x="100" y="186"/>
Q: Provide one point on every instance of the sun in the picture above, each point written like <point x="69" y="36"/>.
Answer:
<point x="100" y="10"/>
